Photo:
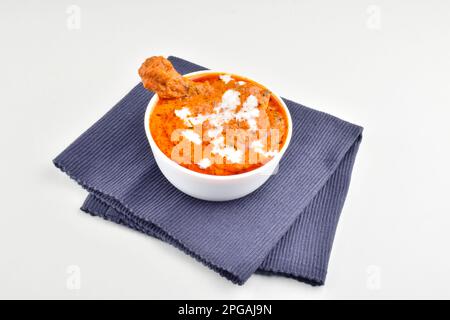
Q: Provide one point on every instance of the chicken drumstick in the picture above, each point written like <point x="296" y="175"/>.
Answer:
<point x="158" y="75"/>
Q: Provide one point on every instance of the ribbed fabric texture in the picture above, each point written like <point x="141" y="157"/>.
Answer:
<point x="284" y="228"/>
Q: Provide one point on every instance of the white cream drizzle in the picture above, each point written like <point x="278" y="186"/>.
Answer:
<point x="225" y="78"/>
<point x="183" y="113"/>
<point x="258" y="146"/>
<point x="224" y="112"/>
<point x="204" y="163"/>
<point x="192" y="136"/>
<point x="249" y="112"/>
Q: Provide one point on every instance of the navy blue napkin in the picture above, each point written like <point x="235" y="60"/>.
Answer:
<point x="285" y="228"/>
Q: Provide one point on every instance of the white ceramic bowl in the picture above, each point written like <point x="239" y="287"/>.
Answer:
<point x="211" y="187"/>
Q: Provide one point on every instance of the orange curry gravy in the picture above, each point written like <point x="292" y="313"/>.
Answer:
<point x="233" y="127"/>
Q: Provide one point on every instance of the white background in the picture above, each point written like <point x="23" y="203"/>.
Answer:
<point x="382" y="64"/>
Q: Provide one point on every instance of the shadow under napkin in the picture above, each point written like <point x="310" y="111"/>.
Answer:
<point x="285" y="228"/>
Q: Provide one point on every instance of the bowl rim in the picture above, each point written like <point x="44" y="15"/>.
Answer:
<point x="154" y="100"/>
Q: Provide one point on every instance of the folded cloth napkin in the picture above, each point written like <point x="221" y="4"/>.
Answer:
<point x="285" y="228"/>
